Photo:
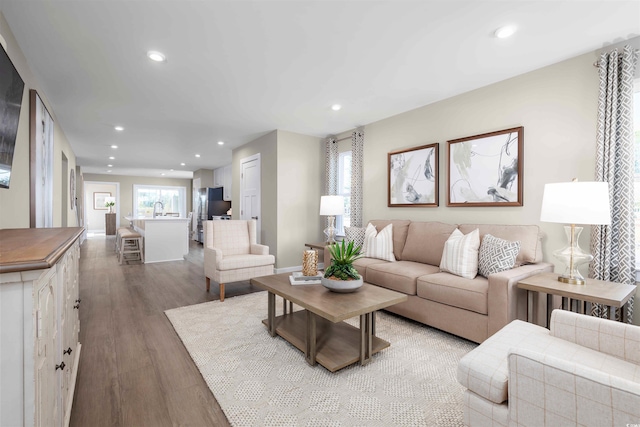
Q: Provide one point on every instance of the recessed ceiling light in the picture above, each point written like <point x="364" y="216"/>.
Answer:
<point x="109" y="166"/>
<point x="197" y="155"/>
<point x="506" y="31"/>
<point x="119" y="128"/>
<point x="336" y="107"/>
<point x="111" y="158"/>
<point x="114" y="146"/>
<point x="220" y="142"/>
<point x="109" y="171"/>
<point x="162" y="174"/>
<point x="156" y="56"/>
<point x="170" y="170"/>
<point x="182" y="164"/>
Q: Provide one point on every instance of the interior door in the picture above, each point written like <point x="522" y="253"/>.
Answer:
<point x="250" y="191"/>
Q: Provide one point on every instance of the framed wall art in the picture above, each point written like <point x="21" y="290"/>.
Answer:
<point x="486" y="170"/>
<point x="99" y="200"/>
<point x="40" y="162"/>
<point x="413" y="177"/>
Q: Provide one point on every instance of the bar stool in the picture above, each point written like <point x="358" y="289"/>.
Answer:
<point x="118" y="238"/>
<point x="131" y="246"/>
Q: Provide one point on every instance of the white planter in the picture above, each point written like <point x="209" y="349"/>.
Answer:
<point x="343" y="286"/>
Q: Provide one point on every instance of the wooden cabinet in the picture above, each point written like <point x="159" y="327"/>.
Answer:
<point x="110" y="219"/>
<point x="39" y="304"/>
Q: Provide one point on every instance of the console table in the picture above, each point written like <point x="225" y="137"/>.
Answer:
<point x="574" y="297"/>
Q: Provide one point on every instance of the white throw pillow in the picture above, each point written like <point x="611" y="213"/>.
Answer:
<point x="379" y="244"/>
<point x="496" y="255"/>
<point x="460" y="255"/>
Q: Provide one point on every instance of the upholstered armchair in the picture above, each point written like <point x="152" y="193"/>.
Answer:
<point x="584" y="371"/>
<point x="231" y="253"/>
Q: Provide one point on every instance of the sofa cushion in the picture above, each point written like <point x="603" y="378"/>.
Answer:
<point x="355" y="235"/>
<point x="378" y="244"/>
<point x="460" y="254"/>
<point x="425" y="241"/>
<point x="400" y="229"/>
<point x="496" y="255"/>
<point x="445" y="288"/>
<point x="399" y="276"/>
<point x="361" y="264"/>
<point x="529" y="236"/>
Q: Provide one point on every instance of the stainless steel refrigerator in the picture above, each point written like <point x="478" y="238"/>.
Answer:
<point x="210" y="206"/>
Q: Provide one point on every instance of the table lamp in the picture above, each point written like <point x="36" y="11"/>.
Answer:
<point x="331" y="206"/>
<point x="575" y="203"/>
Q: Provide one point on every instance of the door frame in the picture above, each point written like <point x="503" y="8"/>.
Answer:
<point x="88" y="200"/>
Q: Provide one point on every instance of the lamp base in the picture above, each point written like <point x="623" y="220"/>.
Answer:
<point x="573" y="256"/>
<point x="330" y="231"/>
<point x="571" y="280"/>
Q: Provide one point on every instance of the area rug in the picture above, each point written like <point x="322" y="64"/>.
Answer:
<point x="263" y="381"/>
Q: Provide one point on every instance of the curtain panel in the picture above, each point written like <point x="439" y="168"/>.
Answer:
<point x="357" y="161"/>
<point x="613" y="246"/>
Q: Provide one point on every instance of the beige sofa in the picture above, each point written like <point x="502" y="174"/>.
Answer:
<point x="473" y="309"/>
<point x="584" y="371"/>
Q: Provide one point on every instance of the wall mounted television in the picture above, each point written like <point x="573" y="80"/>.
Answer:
<point x="11" y="89"/>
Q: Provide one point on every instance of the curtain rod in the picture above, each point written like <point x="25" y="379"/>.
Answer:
<point x="597" y="63"/>
<point x="347" y="137"/>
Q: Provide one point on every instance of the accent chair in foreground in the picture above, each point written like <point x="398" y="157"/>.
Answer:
<point x="584" y="371"/>
<point x="231" y="253"/>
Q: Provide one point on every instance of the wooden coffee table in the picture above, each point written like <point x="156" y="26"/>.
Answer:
<point x="319" y="330"/>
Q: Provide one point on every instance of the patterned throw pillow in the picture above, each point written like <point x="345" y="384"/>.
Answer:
<point x="460" y="255"/>
<point x="496" y="255"/>
<point x="379" y="245"/>
<point x="355" y="235"/>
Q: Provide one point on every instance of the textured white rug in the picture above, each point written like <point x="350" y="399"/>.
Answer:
<point x="263" y="381"/>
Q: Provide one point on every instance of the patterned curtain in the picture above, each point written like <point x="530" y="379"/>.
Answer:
<point x="357" y="159"/>
<point x="613" y="246"/>
<point x="331" y="169"/>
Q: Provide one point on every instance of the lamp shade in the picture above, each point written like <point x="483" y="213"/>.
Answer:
<point x="331" y="205"/>
<point x="576" y="203"/>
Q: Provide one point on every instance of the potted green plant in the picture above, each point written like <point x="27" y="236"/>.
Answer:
<point x="110" y="205"/>
<point x="341" y="276"/>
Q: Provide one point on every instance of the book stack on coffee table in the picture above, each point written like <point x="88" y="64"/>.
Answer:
<point x="297" y="278"/>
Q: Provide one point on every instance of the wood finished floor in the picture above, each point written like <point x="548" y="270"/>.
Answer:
<point x="134" y="370"/>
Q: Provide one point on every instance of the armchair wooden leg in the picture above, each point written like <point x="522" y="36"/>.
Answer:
<point x="221" y="292"/>
<point x="208" y="284"/>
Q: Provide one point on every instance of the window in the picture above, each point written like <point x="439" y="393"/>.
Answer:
<point x="344" y="189"/>
<point x="173" y="199"/>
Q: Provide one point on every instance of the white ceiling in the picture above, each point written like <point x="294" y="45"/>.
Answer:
<point x="236" y="70"/>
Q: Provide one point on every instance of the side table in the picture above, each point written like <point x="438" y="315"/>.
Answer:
<point x="574" y="297"/>
<point x="110" y="219"/>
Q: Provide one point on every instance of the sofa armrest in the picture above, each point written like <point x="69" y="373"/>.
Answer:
<point x="546" y="390"/>
<point x="606" y="336"/>
<point x="504" y="295"/>
<point x="259" y="249"/>
<point x="211" y="258"/>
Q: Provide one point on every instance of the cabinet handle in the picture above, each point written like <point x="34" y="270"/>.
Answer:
<point x="60" y="366"/>
<point x="67" y="351"/>
<point x="78" y="300"/>
<point x="77" y="306"/>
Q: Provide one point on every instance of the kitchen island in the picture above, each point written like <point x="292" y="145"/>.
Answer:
<point x="165" y="238"/>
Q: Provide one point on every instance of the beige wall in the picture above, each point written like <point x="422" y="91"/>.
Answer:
<point x="557" y="106"/>
<point x="14" y="202"/>
<point x="125" y="203"/>
<point x="300" y="183"/>
<point x="266" y="146"/>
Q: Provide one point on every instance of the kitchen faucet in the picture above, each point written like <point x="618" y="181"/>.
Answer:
<point x="155" y="213"/>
